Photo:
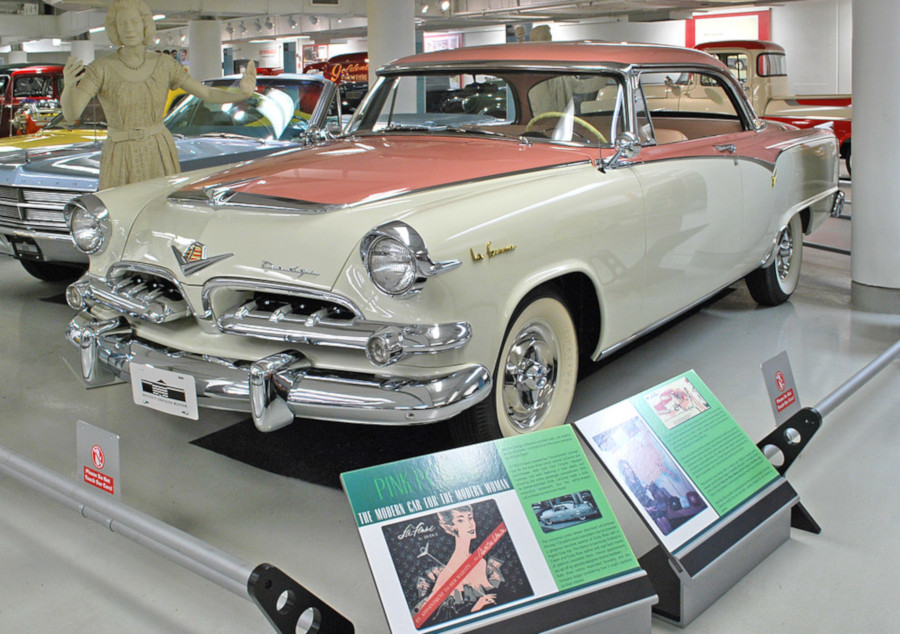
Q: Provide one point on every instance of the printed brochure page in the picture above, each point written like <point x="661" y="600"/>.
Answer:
<point x="679" y="457"/>
<point x="491" y="529"/>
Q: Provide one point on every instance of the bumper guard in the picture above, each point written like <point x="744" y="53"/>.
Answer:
<point x="280" y="387"/>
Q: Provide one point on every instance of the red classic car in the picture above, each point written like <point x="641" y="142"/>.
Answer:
<point x="21" y="84"/>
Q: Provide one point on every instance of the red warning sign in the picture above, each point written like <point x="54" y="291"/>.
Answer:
<point x="785" y="400"/>
<point x="99" y="480"/>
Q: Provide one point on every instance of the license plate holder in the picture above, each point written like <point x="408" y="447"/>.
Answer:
<point x="26" y="249"/>
<point x="163" y="390"/>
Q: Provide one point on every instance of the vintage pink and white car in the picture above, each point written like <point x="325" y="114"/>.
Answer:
<point x="446" y="257"/>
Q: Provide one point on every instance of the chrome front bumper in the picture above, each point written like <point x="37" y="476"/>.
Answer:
<point x="280" y="387"/>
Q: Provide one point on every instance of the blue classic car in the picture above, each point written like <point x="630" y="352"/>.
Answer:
<point x="286" y="112"/>
<point x="567" y="511"/>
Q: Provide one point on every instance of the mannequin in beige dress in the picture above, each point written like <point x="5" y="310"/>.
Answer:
<point x="132" y="86"/>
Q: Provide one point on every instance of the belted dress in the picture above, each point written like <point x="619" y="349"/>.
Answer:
<point x="138" y="146"/>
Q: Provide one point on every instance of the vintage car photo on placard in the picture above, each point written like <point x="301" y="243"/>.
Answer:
<point x="452" y="258"/>
<point x="565" y="511"/>
<point x="677" y="402"/>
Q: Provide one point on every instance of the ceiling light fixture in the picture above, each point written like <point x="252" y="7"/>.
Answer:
<point x="257" y="25"/>
<point x="293" y="23"/>
<point x="229" y="29"/>
<point x="243" y="27"/>
<point x="445" y="5"/>
<point x="313" y="19"/>
<point x="269" y="24"/>
<point x="425" y="8"/>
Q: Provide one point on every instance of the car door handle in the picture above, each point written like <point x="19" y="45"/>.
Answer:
<point x="730" y="148"/>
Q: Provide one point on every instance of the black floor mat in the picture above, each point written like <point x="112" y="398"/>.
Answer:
<point x="318" y="452"/>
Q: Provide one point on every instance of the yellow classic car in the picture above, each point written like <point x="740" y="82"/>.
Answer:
<point x="91" y="128"/>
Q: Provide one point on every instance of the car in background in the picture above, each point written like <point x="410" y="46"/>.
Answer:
<point x="89" y="129"/>
<point x="437" y="265"/>
<point x="761" y="68"/>
<point x="35" y="184"/>
<point x="20" y="84"/>
<point x="350" y="71"/>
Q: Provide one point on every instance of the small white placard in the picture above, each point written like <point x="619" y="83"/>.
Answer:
<point x="169" y="392"/>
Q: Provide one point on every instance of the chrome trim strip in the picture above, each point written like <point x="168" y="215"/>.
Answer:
<point x="657" y="324"/>
<point x="305" y="392"/>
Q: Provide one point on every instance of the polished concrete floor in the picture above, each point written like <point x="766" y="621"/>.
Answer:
<point x="61" y="573"/>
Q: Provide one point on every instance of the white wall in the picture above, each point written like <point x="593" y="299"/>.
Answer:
<point x="669" y="32"/>
<point x="816" y="36"/>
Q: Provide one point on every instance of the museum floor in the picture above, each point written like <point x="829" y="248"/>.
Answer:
<point x="60" y="573"/>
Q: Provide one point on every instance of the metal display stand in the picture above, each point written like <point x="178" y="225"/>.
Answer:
<point x="288" y="606"/>
<point x="693" y="580"/>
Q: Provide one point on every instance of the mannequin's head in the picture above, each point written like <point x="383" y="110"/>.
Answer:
<point x="122" y="9"/>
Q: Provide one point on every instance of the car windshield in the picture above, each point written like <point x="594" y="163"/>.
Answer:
<point x="91" y="117"/>
<point x="280" y="111"/>
<point x="586" y="109"/>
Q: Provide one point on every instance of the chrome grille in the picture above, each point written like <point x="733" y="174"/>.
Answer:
<point x="45" y="215"/>
<point x="40" y="210"/>
<point x="8" y="193"/>
<point x="139" y="294"/>
<point x="296" y="319"/>
<point x="50" y="196"/>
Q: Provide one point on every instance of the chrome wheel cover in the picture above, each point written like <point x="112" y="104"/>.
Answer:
<point x="530" y="376"/>
<point x="784" y="256"/>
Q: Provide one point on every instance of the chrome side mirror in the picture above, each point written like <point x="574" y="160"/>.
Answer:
<point x="627" y="147"/>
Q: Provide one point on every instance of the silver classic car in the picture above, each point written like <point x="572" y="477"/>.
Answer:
<point x="449" y="258"/>
<point x="36" y="184"/>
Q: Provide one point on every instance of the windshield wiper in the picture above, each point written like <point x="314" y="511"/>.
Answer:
<point x="394" y="127"/>
<point x="473" y="130"/>
<point x="232" y="135"/>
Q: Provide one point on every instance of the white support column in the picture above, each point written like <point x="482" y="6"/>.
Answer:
<point x="875" y="267"/>
<point x="83" y="50"/>
<point x="205" y="49"/>
<point x="392" y="32"/>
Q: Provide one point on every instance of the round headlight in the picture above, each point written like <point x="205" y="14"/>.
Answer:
<point x="89" y="223"/>
<point x="391" y="265"/>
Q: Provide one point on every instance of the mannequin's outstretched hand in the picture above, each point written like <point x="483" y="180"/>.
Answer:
<point x="248" y="81"/>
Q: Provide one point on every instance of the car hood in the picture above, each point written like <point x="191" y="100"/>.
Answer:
<point x="48" y="138"/>
<point x="78" y="166"/>
<point x="300" y="215"/>
<point x="365" y="169"/>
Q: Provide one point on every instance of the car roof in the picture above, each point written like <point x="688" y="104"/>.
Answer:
<point x="37" y="68"/>
<point x="588" y="53"/>
<point x="756" y="45"/>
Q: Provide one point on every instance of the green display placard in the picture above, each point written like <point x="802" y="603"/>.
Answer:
<point x="467" y="534"/>
<point x="679" y="456"/>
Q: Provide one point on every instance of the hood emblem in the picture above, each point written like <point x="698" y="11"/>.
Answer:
<point x="194" y="258"/>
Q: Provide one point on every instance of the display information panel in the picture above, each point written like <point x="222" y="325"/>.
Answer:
<point x="486" y="530"/>
<point x="679" y="457"/>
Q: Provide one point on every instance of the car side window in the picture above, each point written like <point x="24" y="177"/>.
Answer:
<point x="4" y="80"/>
<point x="702" y="107"/>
